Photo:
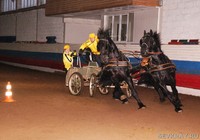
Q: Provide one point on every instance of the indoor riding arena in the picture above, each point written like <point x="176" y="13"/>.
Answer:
<point x="38" y="100"/>
<point x="44" y="109"/>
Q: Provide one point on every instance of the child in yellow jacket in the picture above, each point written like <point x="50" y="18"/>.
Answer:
<point x="68" y="57"/>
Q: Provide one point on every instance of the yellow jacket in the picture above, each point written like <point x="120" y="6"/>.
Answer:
<point x="91" y="45"/>
<point x="68" y="60"/>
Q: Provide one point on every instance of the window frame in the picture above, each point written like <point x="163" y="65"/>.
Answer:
<point x="15" y="5"/>
<point x="118" y="39"/>
<point x="8" y="5"/>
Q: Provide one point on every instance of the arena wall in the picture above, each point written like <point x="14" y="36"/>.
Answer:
<point x="77" y="29"/>
<point x="32" y="26"/>
<point x="8" y="25"/>
<point x="48" y="57"/>
<point x="180" y="20"/>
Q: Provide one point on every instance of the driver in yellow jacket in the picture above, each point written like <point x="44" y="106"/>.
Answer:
<point x="91" y="45"/>
<point x="68" y="57"/>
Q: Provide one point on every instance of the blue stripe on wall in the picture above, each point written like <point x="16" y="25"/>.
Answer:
<point x="185" y="67"/>
<point x="33" y="55"/>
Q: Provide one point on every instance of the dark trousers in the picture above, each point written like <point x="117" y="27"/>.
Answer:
<point x="97" y="59"/>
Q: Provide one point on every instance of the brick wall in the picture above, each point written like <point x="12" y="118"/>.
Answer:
<point x="7" y="25"/>
<point x="32" y="26"/>
<point x="26" y="26"/>
<point x="144" y="20"/>
<point x="180" y="20"/>
<point x="77" y="30"/>
<point x="50" y="26"/>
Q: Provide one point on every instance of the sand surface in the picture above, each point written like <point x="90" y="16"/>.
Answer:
<point x="45" y="110"/>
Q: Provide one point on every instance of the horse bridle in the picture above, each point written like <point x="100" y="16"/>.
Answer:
<point x="151" y="53"/>
<point x="157" y="67"/>
<point x="106" y="40"/>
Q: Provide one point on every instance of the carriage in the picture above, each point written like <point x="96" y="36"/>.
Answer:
<point x="158" y="71"/>
<point x="78" y="77"/>
<point x="81" y="76"/>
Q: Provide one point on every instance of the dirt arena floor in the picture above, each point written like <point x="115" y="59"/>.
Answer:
<point x="44" y="110"/>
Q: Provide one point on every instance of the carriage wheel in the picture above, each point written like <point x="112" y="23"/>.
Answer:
<point x="92" y="85"/>
<point x="75" y="83"/>
<point x="103" y="90"/>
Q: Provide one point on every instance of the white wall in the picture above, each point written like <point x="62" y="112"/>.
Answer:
<point x="180" y="20"/>
<point x="32" y="26"/>
<point x="77" y="30"/>
<point x="145" y="19"/>
<point x="7" y="25"/>
<point x="50" y="26"/>
<point x="26" y="26"/>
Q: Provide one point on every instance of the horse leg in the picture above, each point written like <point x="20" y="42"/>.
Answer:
<point x="171" y="97"/>
<point x="134" y="93"/>
<point x="175" y="92"/>
<point x="118" y="94"/>
<point x="160" y="93"/>
<point x="159" y="90"/>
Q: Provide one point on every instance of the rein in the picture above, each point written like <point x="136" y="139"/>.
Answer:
<point x="152" y="53"/>
<point x="146" y="61"/>
<point x="115" y="62"/>
<point x="154" y="69"/>
<point x="118" y="64"/>
<point x="162" y="67"/>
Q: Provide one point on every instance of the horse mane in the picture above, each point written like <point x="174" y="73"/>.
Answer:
<point x="103" y="33"/>
<point x="157" y="39"/>
<point x="112" y="47"/>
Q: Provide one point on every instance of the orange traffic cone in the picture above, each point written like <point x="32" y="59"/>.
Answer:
<point x="8" y="94"/>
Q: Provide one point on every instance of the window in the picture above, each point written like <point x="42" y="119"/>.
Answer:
<point x="121" y="27"/>
<point x="41" y="2"/>
<point x="28" y="3"/>
<point x="8" y="5"/>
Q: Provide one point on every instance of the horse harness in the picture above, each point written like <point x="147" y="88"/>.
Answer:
<point x="146" y="64"/>
<point x="148" y="67"/>
<point x="116" y="63"/>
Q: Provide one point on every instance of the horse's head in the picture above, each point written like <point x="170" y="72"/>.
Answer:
<point x="107" y="47"/>
<point x="150" y="44"/>
<point x="104" y="45"/>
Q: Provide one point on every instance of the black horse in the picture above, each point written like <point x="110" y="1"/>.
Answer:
<point x="160" y="72"/>
<point x="116" y="67"/>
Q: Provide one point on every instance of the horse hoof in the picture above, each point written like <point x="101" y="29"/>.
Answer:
<point x="178" y="110"/>
<point x="125" y="102"/>
<point x="116" y="99"/>
<point x="142" y="107"/>
<point x="124" y="99"/>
